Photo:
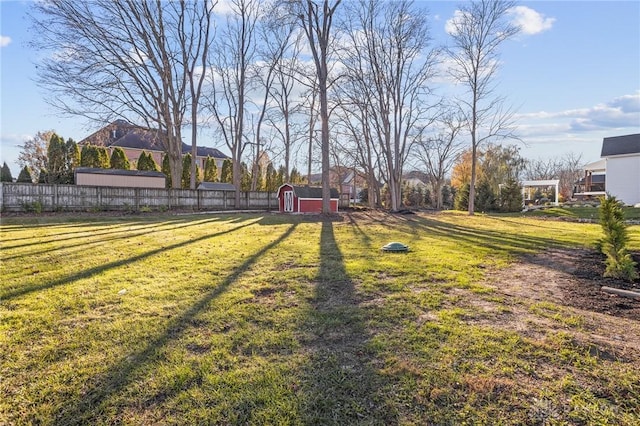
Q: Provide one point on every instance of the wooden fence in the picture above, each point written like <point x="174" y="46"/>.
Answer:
<point x="25" y="197"/>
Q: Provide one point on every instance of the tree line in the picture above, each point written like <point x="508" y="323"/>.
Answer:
<point x="327" y="83"/>
<point x="47" y="158"/>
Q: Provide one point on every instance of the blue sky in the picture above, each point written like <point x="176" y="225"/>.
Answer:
<point x="573" y="75"/>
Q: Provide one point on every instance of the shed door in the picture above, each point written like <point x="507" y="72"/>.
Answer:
<point x="288" y="201"/>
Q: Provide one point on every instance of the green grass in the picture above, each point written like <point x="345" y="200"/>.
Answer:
<point x="236" y="319"/>
<point x="582" y="212"/>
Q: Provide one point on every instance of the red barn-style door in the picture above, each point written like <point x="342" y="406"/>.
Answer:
<point x="288" y="201"/>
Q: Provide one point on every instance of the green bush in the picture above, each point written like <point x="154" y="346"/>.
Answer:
<point x="119" y="159"/>
<point x="613" y="245"/>
<point x="5" y="175"/>
<point x="461" y="201"/>
<point x="35" y="207"/>
<point x="485" y="200"/>
<point x="25" y="175"/>
<point x="511" y="196"/>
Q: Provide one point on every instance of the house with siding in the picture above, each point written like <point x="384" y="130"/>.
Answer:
<point x="622" y="167"/>
<point x="134" y="139"/>
<point x="86" y="176"/>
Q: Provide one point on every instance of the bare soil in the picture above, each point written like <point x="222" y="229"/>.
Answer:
<point x="577" y="276"/>
<point x="571" y="279"/>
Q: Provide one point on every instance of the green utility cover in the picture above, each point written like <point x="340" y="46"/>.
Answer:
<point x="395" y="246"/>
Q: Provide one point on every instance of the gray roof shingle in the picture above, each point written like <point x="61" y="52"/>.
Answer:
<point x="621" y="145"/>
<point x="312" y="191"/>
<point x="216" y="186"/>
<point x="126" y="135"/>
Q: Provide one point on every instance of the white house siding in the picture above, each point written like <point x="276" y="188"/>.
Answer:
<point x="623" y="178"/>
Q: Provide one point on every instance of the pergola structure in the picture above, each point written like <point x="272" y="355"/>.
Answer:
<point x="528" y="184"/>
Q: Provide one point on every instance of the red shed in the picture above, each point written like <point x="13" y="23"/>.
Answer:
<point x="304" y="199"/>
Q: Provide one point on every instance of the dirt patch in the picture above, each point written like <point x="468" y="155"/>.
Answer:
<point x="575" y="278"/>
<point x="559" y="289"/>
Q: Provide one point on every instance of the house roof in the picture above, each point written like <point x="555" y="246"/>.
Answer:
<point x="119" y="172"/>
<point x="203" y="151"/>
<point x="600" y="165"/>
<point x="126" y="135"/>
<point x="138" y="139"/>
<point x="311" y="191"/>
<point x="414" y="181"/>
<point x="216" y="186"/>
<point x="621" y="145"/>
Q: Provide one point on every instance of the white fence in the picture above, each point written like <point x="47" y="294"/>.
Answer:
<point x="23" y="197"/>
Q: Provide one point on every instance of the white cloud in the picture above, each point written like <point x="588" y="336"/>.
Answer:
<point x="225" y="7"/>
<point x="619" y="115"/>
<point x="233" y="7"/>
<point x="451" y="25"/>
<point x="4" y="41"/>
<point x="530" y="21"/>
<point x="623" y="112"/>
<point x="581" y="130"/>
<point x="627" y="103"/>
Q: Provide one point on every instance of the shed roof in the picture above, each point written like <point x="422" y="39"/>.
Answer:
<point x="216" y="186"/>
<point x="311" y="191"/>
<point x="621" y="145"/>
<point x="119" y="172"/>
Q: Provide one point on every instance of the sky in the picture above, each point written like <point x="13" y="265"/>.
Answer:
<point x="572" y="75"/>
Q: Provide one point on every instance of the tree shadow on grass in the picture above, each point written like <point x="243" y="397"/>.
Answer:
<point x="94" y="405"/>
<point x="71" y="225"/>
<point x="362" y="236"/>
<point x="526" y="248"/>
<point x="339" y="381"/>
<point x="473" y="237"/>
<point x="109" y="235"/>
<point x="22" y="290"/>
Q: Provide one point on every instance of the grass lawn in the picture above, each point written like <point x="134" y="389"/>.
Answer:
<point x="271" y="319"/>
<point x="576" y="213"/>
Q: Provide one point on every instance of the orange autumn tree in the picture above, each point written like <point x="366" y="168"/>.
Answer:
<point x="461" y="171"/>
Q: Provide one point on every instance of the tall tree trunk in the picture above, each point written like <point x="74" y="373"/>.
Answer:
<point x="324" y="117"/>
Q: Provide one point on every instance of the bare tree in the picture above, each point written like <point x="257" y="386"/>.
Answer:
<point x="389" y="57"/>
<point x="233" y="54"/>
<point x="570" y="171"/>
<point x="438" y="153"/>
<point x="317" y="21"/>
<point x="275" y="39"/>
<point x="312" y="108"/>
<point x="567" y="168"/>
<point x="288" y="71"/>
<point x="477" y="30"/>
<point x="195" y="37"/>
<point x="33" y="153"/>
<point x="118" y="59"/>
<point x="541" y="169"/>
<point x="354" y="119"/>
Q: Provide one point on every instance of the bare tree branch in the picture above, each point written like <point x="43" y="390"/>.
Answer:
<point x="477" y="33"/>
